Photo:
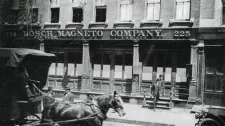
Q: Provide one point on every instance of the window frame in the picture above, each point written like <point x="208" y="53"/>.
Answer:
<point x="125" y="2"/>
<point x="100" y="7"/>
<point x="58" y="15"/>
<point x="182" y="1"/>
<point x="146" y="9"/>
<point x="82" y="18"/>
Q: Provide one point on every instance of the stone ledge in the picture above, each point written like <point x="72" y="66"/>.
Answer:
<point x="48" y="25"/>
<point x="147" y="23"/>
<point x="129" y="24"/>
<point x="188" y="23"/>
<point x="93" y="24"/>
<point x="72" y="25"/>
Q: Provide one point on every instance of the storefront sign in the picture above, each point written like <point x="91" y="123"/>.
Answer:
<point x="102" y="34"/>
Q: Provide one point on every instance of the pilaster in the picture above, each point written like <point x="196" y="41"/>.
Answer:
<point x="200" y="70"/>
<point x="136" y="69"/>
<point x="86" y="82"/>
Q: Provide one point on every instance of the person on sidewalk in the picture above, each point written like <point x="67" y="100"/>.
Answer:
<point x="68" y="96"/>
<point x="161" y="84"/>
<point x="49" y="99"/>
<point x="155" y="90"/>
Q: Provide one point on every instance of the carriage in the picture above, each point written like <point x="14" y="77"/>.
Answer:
<point x="14" y="105"/>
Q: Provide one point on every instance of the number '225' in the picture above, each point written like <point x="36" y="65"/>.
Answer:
<point x="182" y="33"/>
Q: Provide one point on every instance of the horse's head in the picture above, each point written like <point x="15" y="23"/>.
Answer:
<point x="116" y="103"/>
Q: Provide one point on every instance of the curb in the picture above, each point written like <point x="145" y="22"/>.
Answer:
<point x="135" y="122"/>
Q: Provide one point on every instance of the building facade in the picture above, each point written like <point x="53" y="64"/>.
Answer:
<point x="122" y="45"/>
<point x="211" y="34"/>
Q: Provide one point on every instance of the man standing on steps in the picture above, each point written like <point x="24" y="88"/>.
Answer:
<point x="68" y="96"/>
<point x="155" y="90"/>
<point x="161" y="84"/>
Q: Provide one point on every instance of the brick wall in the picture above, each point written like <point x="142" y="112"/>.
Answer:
<point x="211" y="13"/>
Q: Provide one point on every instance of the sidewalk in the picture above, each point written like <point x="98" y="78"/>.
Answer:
<point x="137" y="115"/>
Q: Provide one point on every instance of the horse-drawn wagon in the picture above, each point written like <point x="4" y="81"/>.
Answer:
<point x="21" y="70"/>
<point x="23" y="73"/>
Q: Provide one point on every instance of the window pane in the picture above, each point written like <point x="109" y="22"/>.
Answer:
<point x="147" y="73"/>
<point x="123" y="12"/>
<point x="210" y="81"/>
<point x="179" y="11"/>
<point x="150" y="13"/>
<point x="60" y="65"/>
<point x="118" y="71"/>
<point x="128" y="72"/>
<point x="156" y="11"/>
<point x="100" y="14"/>
<point x="35" y="15"/>
<point x="129" y="12"/>
<point x="54" y="15"/>
<point x="71" y="63"/>
<point x="77" y="15"/>
<point x="219" y="83"/>
<point x="52" y="69"/>
<point x="186" y="14"/>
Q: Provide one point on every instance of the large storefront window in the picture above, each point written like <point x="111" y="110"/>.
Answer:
<point x="67" y="64"/>
<point x="214" y="61"/>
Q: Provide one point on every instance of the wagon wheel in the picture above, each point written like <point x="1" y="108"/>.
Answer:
<point x="30" y="119"/>
<point x="208" y="122"/>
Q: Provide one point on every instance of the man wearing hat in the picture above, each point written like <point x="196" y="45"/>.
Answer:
<point x="68" y="96"/>
<point x="49" y="99"/>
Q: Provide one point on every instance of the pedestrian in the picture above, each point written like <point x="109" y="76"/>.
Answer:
<point x="161" y="84"/>
<point x="68" y="96"/>
<point x="155" y="90"/>
<point x="50" y="98"/>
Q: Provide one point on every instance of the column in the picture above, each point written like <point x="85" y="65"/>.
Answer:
<point x="136" y="69"/>
<point x="200" y="70"/>
<point x="192" y="74"/>
<point x="86" y="67"/>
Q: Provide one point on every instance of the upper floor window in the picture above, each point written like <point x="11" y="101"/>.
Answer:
<point x="55" y="3"/>
<point x="126" y="10"/>
<point x="100" y="12"/>
<point x="183" y="9"/>
<point x="54" y="15"/>
<point x="153" y="9"/>
<point x="77" y="15"/>
<point x="35" y="15"/>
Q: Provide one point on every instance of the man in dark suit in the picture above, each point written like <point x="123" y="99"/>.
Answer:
<point x="68" y="96"/>
<point x="155" y="90"/>
<point x="49" y="99"/>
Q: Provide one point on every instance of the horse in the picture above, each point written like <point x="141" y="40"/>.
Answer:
<point x="61" y="111"/>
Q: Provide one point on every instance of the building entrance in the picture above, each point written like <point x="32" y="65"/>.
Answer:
<point x="171" y="63"/>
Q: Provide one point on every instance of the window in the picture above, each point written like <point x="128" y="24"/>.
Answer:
<point x="77" y="15"/>
<point x="35" y="15"/>
<point x="153" y="9"/>
<point x="214" y="69"/>
<point x="54" y="15"/>
<point x="126" y="10"/>
<point x="183" y="9"/>
<point x="100" y="14"/>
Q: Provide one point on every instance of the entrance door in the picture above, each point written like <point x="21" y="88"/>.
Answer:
<point x="112" y="70"/>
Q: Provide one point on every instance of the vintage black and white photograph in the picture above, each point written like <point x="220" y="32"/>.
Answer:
<point x="112" y="62"/>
